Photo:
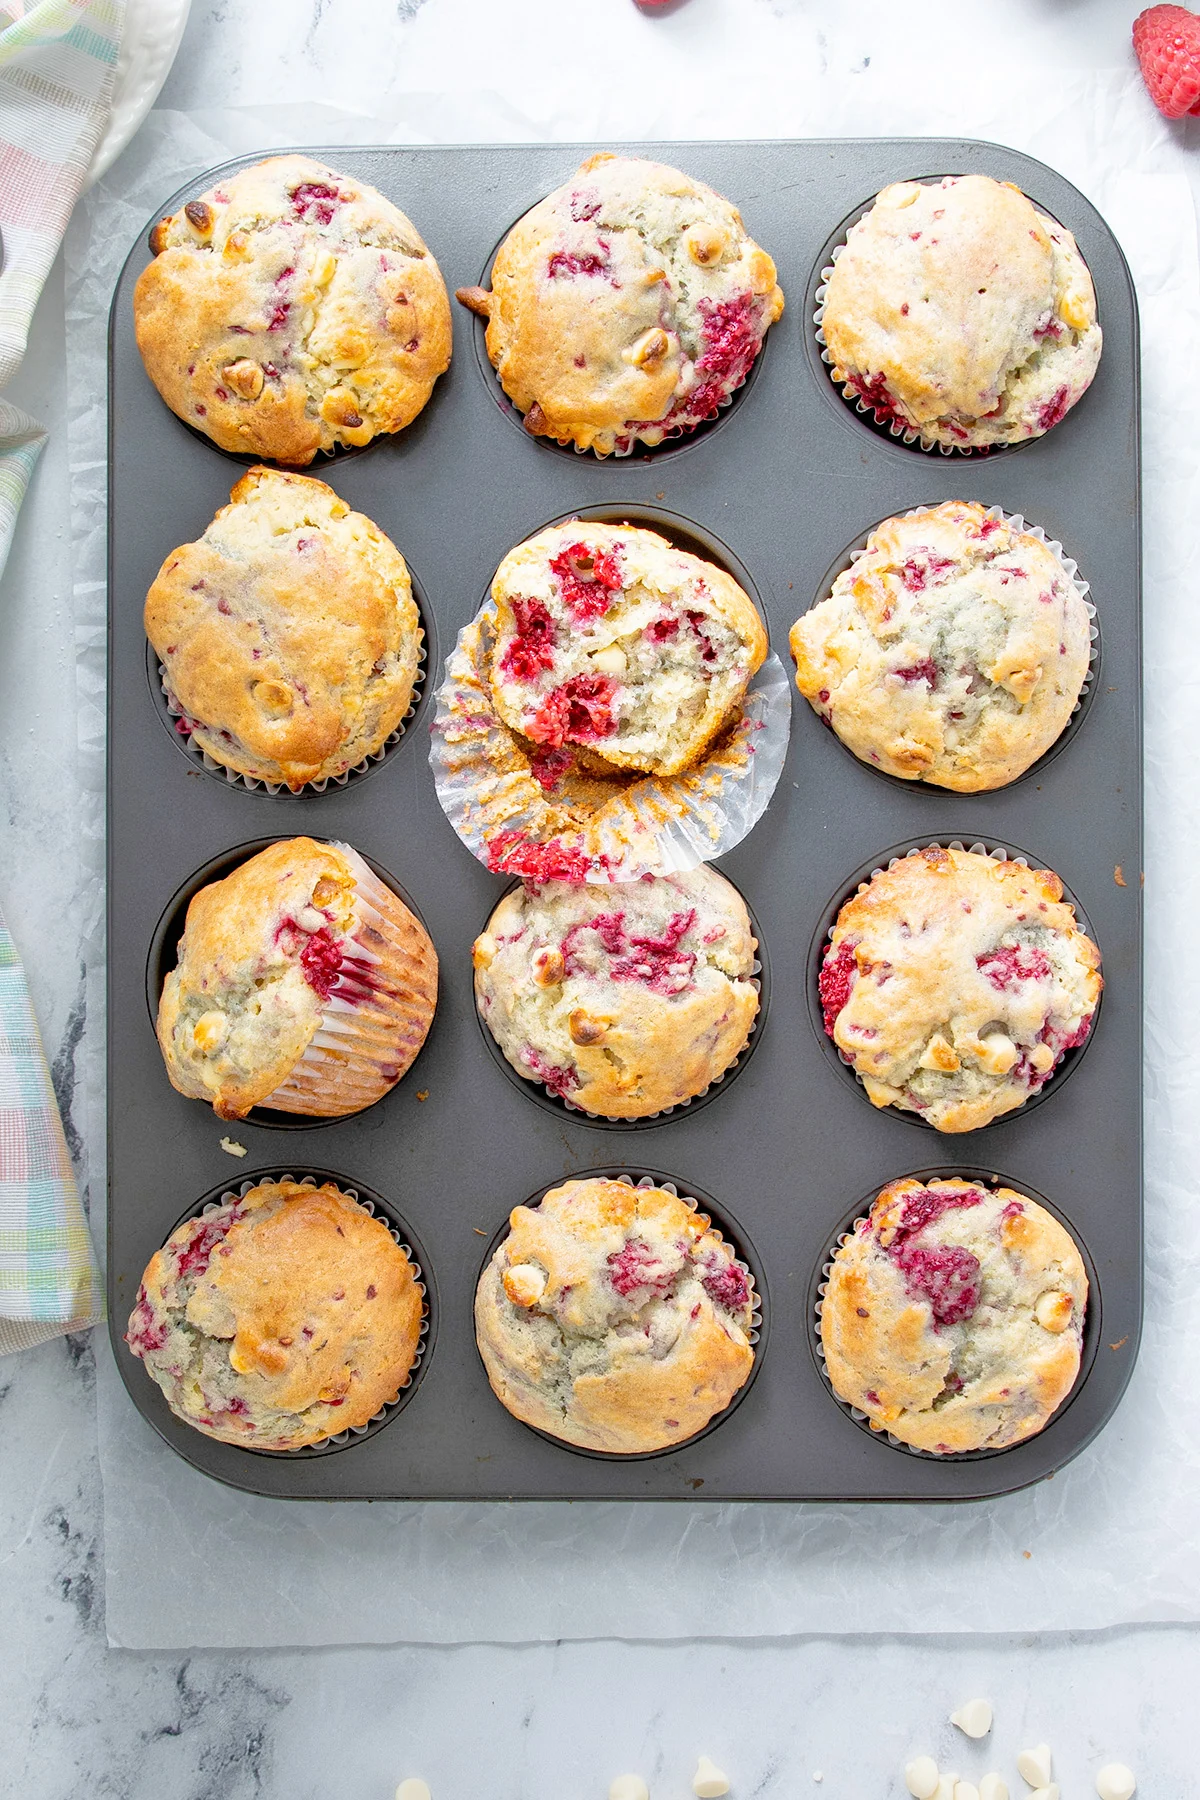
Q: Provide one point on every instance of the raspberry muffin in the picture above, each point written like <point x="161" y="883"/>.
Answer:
<point x="626" y="307"/>
<point x="954" y="984"/>
<point x="291" y="309"/>
<point x="953" y="1316"/>
<point x="625" y="999"/>
<point x="960" y="313"/>
<point x="303" y="984"/>
<point x="614" y="1318"/>
<point x="611" y="641"/>
<point x="279" y="1318"/>
<point x="952" y="651"/>
<point x="288" y="633"/>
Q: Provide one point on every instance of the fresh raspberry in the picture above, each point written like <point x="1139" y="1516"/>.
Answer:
<point x="835" y="982"/>
<point x="1166" y="40"/>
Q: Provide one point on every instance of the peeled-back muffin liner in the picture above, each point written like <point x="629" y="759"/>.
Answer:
<point x="862" y="1419"/>
<point x="997" y="854"/>
<point x="619" y="827"/>
<point x="881" y="417"/>
<point x="183" y="727"/>
<point x="667" y="1112"/>
<point x="1070" y="569"/>
<point x="364" y="1044"/>
<point x="753" y="1336"/>
<point x="340" y="1439"/>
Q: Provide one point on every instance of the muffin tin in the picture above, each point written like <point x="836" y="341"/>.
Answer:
<point x="785" y="478"/>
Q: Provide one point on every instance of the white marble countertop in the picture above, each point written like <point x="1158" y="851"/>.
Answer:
<point x="502" y="1723"/>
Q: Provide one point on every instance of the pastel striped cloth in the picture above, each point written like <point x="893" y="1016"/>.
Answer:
<point x="57" y="63"/>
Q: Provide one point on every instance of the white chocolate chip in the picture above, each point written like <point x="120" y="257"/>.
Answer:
<point x="628" y="1787"/>
<point x="921" y="1777"/>
<point x="524" y="1284"/>
<point x="611" y="660"/>
<point x="1115" y="1782"/>
<point x="232" y="1149"/>
<point x="965" y="1790"/>
<point x="946" y="1788"/>
<point x="993" y="1787"/>
<point x="1034" y="1765"/>
<point x="1049" y="1792"/>
<point x="974" y="1719"/>
<point x="412" y="1789"/>
<point x="709" y="1782"/>
<point x="1054" y="1310"/>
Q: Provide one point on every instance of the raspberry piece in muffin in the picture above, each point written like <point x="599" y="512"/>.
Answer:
<point x="614" y="1318"/>
<point x="623" y="1000"/>
<point x="953" y="1315"/>
<point x="960" y="313"/>
<point x="626" y="307"/>
<point x="279" y="1318"/>
<point x="291" y="310"/>
<point x="955" y="984"/>
<point x="288" y="633"/>
<point x="952" y="651"/>
<point x="611" y="639"/>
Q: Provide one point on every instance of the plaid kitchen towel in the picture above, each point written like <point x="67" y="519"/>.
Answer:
<point x="48" y="1279"/>
<point x="57" y="63"/>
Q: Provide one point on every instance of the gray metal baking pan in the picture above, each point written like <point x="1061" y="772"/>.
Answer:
<point x="787" y="478"/>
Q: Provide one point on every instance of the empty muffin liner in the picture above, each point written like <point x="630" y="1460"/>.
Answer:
<point x="755" y="1336"/>
<point x="881" y="418"/>
<point x="340" y="1440"/>
<point x="820" y="1285"/>
<point x="537" y="1090"/>
<point x="361" y="1039"/>
<point x="1059" y="1071"/>
<point x="1070" y="569"/>
<point x="182" y="726"/>
<point x="602" y="828"/>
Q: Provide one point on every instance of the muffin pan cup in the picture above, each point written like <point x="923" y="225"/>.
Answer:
<point x="787" y="479"/>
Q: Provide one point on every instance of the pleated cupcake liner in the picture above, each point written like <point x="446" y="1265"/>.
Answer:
<point x="653" y="825"/>
<point x="1066" y="1060"/>
<point x="176" y="716"/>
<point x="340" y="1440"/>
<point x="363" y="1046"/>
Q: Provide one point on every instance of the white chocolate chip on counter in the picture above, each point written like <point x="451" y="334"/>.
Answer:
<point x="1034" y="1765"/>
<point x="412" y="1789"/>
<point x="709" y="1782"/>
<point x="947" y="1787"/>
<point x="232" y="1149"/>
<point x="974" y="1719"/>
<point x="1050" y="1792"/>
<point x="965" y="1790"/>
<point x="1115" y="1782"/>
<point x="993" y="1787"/>
<point x="921" y="1777"/>
<point x="628" y="1787"/>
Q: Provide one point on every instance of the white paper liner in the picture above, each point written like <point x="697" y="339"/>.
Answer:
<point x="340" y="1439"/>
<point x="864" y="1419"/>
<point x="204" y="761"/>
<point x="1070" y="568"/>
<point x="998" y="854"/>
<point x="881" y="417"/>
<point x="340" y="1056"/>
<point x="655" y="825"/>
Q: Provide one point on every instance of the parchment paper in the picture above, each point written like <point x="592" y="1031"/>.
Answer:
<point x="1111" y="1538"/>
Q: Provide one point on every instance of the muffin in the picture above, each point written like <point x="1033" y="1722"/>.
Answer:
<point x="953" y="1315"/>
<point x="952" y="651"/>
<point x="279" y="1318"/>
<point x="291" y="309"/>
<point x="614" y="1318"/>
<point x="960" y="313"/>
<point x="303" y="984"/>
<point x="626" y="307"/>
<point x="954" y="984"/>
<point x="610" y="639"/>
<point x="625" y="999"/>
<point x="288" y="633"/>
